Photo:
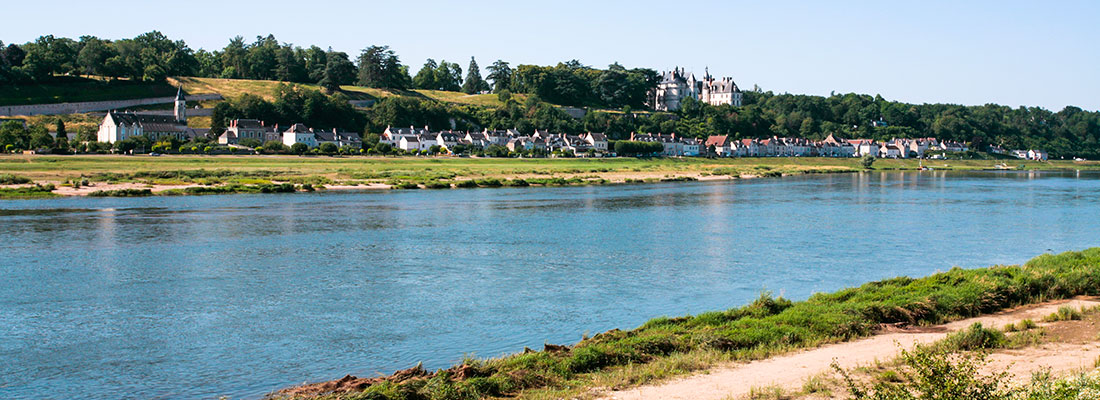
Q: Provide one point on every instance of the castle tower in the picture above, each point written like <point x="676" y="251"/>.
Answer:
<point x="181" y="107"/>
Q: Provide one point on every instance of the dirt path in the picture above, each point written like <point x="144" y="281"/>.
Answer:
<point x="791" y="371"/>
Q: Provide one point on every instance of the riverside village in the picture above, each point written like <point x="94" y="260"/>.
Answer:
<point x="245" y="136"/>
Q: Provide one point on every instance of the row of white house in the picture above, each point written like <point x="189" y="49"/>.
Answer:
<point x="723" y="146"/>
<point x="240" y="129"/>
<point x="423" y="139"/>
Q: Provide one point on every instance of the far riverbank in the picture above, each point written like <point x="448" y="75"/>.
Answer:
<point x="113" y="175"/>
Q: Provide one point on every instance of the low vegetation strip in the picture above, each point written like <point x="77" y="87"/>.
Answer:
<point x="27" y="192"/>
<point x="766" y="326"/>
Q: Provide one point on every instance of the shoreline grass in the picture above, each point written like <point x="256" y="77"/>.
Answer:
<point x="769" y="325"/>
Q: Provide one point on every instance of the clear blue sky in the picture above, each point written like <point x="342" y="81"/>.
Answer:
<point x="973" y="52"/>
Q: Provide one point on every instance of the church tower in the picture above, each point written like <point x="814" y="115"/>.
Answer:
<point x="181" y="107"/>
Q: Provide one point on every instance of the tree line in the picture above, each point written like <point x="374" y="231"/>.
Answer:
<point x="153" y="56"/>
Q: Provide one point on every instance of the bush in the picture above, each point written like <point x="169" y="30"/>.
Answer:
<point x="867" y="161"/>
<point x="1065" y="313"/>
<point x="976" y="337"/>
<point x="10" y="179"/>
<point x="121" y="193"/>
<point x="466" y="184"/>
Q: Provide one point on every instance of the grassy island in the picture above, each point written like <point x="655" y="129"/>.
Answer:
<point x="112" y="174"/>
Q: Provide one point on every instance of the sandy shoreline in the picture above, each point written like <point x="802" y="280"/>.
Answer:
<point x="612" y="177"/>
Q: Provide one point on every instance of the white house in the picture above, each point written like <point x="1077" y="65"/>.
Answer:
<point x="118" y="126"/>
<point x="299" y="133"/>
<point x="393" y="135"/>
<point x="1037" y="155"/>
<point x="408" y="143"/>
<point x="448" y="139"/>
<point x="598" y="141"/>
<point x="889" y="151"/>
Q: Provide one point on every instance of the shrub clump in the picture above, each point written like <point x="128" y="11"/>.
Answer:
<point x="121" y="193"/>
<point x="10" y="179"/>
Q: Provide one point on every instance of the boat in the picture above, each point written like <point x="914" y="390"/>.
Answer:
<point x="1002" y="166"/>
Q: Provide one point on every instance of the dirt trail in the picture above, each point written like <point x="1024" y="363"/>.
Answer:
<point x="791" y="371"/>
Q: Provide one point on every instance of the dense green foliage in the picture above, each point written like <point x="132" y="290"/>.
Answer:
<point x="1067" y="133"/>
<point x="121" y="193"/>
<point x="292" y="104"/>
<point x="572" y="83"/>
<point x="775" y="324"/>
<point x="634" y="148"/>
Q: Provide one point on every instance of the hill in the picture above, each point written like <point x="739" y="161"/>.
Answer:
<point x="71" y="89"/>
<point x="236" y="87"/>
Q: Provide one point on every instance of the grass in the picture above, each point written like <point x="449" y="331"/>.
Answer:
<point x="28" y="192"/>
<point x="67" y="89"/>
<point x="421" y="169"/>
<point x="765" y="327"/>
<point x="975" y="337"/>
<point x="236" y="87"/>
<point x="1064" y="313"/>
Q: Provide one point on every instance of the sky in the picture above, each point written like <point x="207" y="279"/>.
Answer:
<point x="1016" y="53"/>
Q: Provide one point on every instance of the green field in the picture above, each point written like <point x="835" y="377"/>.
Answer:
<point x="66" y="89"/>
<point x="51" y="168"/>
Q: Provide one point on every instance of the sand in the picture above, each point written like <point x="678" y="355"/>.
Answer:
<point x="790" y="371"/>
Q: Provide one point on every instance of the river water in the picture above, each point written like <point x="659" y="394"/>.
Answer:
<point x="239" y="295"/>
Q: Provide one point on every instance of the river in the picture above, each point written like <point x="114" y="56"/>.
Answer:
<point x="240" y="295"/>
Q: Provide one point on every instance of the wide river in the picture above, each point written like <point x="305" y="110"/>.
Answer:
<point x="199" y="297"/>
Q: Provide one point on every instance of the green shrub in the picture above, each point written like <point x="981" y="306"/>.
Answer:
<point x="437" y="185"/>
<point x="1064" y="313"/>
<point x="10" y="179"/>
<point x="121" y="193"/>
<point x="466" y="184"/>
<point x="1027" y="324"/>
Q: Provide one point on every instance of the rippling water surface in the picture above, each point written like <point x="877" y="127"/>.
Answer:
<point x="199" y="297"/>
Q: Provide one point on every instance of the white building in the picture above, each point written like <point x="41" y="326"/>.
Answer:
<point x="117" y="126"/>
<point x="299" y="133"/>
<point x="677" y="85"/>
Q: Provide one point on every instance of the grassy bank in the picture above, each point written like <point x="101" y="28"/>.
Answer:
<point x="665" y="347"/>
<point x="426" y="168"/>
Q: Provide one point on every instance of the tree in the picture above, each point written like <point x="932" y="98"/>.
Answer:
<point x="867" y="161"/>
<point x="93" y="55"/>
<point x="299" y="148"/>
<point x="501" y="75"/>
<point x="328" y="148"/>
<point x="449" y="76"/>
<point x="474" y="83"/>
<point x="379" y="67"/>
<point x="62" y="136"/>
<point x="338" y="71"/>
<point x="425" y="78"/>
